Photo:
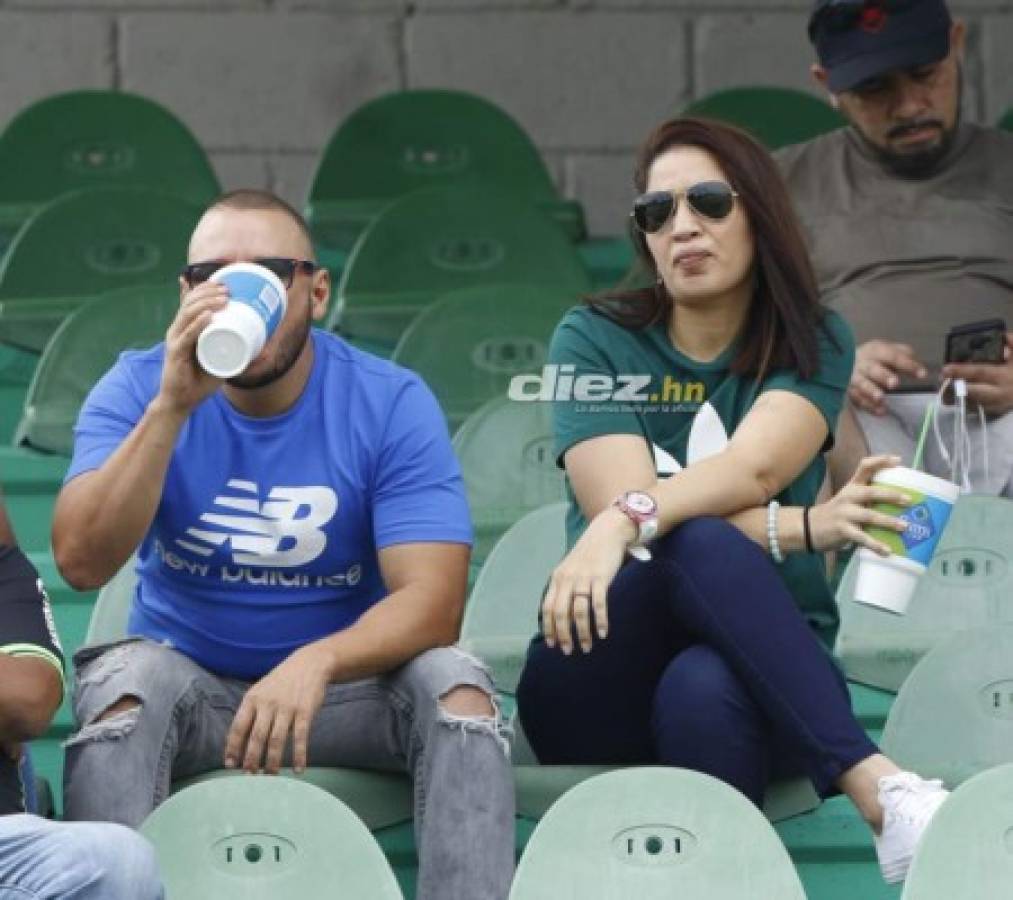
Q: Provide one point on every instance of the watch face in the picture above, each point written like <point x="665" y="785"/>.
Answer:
<point x="641" y="503"/>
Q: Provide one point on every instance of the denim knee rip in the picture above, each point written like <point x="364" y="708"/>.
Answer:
<point x="493" y="725"/>
<point x="97" y="673"/>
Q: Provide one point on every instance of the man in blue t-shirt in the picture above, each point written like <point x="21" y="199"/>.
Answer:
<point x="302" y="542"/>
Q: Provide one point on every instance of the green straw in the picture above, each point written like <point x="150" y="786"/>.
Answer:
<point x="916" y="463"/>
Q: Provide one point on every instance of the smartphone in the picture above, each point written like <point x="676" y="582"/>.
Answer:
<point x="977" y="342"/>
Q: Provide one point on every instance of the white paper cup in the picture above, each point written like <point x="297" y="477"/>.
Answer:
<point x="237" y="333"/>
<point x="889" y="582"/>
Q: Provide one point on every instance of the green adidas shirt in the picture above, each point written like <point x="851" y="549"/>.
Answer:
<point x="607" y="379"/>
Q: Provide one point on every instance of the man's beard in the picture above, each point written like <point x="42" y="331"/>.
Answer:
<point x="918" y="163"/>
<point x="286" y="356"/>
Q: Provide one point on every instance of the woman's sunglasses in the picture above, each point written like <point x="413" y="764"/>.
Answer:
<point x="710" y="199"/>
<point x="283" y="267"/>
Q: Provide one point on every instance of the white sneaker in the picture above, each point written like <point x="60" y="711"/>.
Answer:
<point x="909" y="803"/>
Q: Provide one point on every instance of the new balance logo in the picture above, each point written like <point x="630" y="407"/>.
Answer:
<point x="285" y="530"/>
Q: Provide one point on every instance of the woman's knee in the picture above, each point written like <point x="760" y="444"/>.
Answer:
<point x="704" y="538"/>
<point x="700" y="691"/>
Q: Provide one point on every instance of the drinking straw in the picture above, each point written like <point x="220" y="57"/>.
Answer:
<point x="916" y="463"/>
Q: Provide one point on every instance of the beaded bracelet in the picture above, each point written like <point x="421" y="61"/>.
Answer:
<point x="775" y="547"/>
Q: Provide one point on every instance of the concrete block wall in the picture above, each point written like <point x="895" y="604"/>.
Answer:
<point x="262" y="83"/>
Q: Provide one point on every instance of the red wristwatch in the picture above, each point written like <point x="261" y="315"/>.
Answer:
<point x="642" y="511"/>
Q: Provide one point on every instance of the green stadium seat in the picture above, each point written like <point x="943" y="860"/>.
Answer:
<point x="30" y="482"/>
<point x="654" y="833"/>
<point x="258" y="837"/>
<point x="509" y="469"/>
<point x="502" y="611"/>
<point x="953" y="717"/>
<point x="438" y="240"/>
<point x="83" y="347"/>
<point x="16" y="369"/>
<point x="408" y="140"/>
<point x="112" y="607"/>
<point x="777" y="116"/>
<point x="470" y="343"/>
<point x="84" y="244"/>
<point x="1006" y="121"/>
<point x="966" y="852"/>
<point x="968" y="584"/>
<point x="92" y="138"/>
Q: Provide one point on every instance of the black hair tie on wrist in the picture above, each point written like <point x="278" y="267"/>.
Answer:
<point x="808" y="531"/>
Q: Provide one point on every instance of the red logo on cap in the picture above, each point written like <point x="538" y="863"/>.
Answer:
<point x="872" y="19"/>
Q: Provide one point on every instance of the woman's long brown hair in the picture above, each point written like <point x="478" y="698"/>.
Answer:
<point x="780" y="331"/>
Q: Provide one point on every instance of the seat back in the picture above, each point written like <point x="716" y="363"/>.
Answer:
<point x="509" y="469"/>
<point x="953" y="717"/>
<point x="502" y="611"/>
<point x="93" y="138"/>
<point x="654" y="833"/>
<point x="965" y="853"/>
<point x="415" y="139"/>
<point x="470" y="343"/>
<point x="264" y="837"/>
<point x="84" y="244"/>
<point x="1006" y="120"/>
<point x="968" y="584"/>
<point x="776" y="116"/>
<point x="83" y="347"/>
<point x="435" y="241"/>
<point x="112" y="606"/>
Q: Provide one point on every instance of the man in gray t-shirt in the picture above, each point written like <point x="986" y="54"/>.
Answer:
<point x="909" y="214"/>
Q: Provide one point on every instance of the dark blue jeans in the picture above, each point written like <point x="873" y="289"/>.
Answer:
<point x="708" y="665"/>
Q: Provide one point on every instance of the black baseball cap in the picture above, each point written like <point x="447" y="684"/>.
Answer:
<point x="856" y="40"/>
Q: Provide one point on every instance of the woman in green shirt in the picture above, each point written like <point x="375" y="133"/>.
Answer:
<point x="692" y="416"/>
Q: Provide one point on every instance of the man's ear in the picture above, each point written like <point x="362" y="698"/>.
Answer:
<point x="820" y="76"/>
<point x="320" y="293"/>
<point x="958" y="39"/>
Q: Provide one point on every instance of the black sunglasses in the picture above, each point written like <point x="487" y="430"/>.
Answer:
<point x="282" y="266"/>
<point x="843" y="15"/>
<point x="710" y="199"/>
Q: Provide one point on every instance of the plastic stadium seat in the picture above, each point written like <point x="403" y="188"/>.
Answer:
<point x="92" y="138"/>
<point x="408" y="140"/>
<point x="435" y="241"/>
<point x="969" y="584"/>
<point x="502" y="611"/>
<point x="966" y="852"/>
<point x="258" y="837"/>
<point x="1006" y="122"/>
<point x="953" y="717"/>
<point x="509" y="469"/>
<point x="16" y="369"/>
<point x="112" y="607"/>
<point x="84" y="244"/>
<point x="654" y="834"/>
<point x="83" y="347"/>
<point x="30" y="482"/>
<point x="470" y="343"/>
<point x="777" y="116"/>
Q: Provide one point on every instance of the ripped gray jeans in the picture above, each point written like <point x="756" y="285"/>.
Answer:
<point x="120" y="768"/>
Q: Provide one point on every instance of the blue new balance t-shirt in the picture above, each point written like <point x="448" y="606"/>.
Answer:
<point x="267" y="533"/>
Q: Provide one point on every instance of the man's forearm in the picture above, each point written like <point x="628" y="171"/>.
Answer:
<point x="389" y="634"/>
<point x="102" y="516"/>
